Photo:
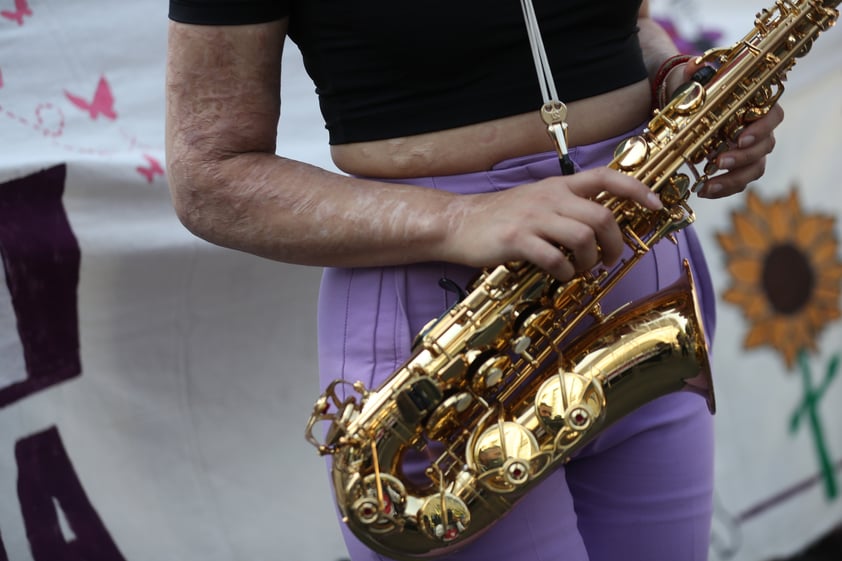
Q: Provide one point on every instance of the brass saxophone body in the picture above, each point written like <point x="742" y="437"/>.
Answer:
<point x="525" y="370"/>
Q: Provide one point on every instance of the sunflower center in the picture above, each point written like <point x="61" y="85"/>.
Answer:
<point x="788" y="278"/>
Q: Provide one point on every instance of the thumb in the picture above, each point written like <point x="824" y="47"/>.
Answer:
<point x="690" y="68"/>
<point x="676" y="78"/>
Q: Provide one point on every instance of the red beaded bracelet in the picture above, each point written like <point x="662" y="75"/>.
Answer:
<point x="659" y="90"/>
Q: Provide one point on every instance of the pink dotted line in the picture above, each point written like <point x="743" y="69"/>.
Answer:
<point x="87" y="151"/>
<point x="39" y="124"/>
<point x="135" y="144"/>
<point x="52" y="132"/>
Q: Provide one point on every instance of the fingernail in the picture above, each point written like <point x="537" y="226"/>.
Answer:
<point x="713" y="189"/>
<point x="655" y="201"/>
<point x="726" y="163"/>
<point x="745" y="141"/>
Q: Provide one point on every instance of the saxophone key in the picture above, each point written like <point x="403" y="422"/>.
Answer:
<point x="503" y="455"/>
<point x="382" y="500"/>
<point x="688" y="99"/>
<point x="631" y="152"/>
<point x="444" y="517"/>
<point x="675" y="190"/>
<point x="520" y="346"/>
<point x="418" y="400"/>
<point x="448" y="416"/>
<point x="489" y="369"/>
<point x="734" y="127"/>
<point x="491" y="332"/>
<point x="568" y="401"/>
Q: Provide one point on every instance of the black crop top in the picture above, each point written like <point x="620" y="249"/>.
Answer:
<point x="385" y="68"/>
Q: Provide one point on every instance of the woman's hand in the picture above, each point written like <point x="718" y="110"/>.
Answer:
<point x="745" y="160"/>
<point x="551" y="223"/>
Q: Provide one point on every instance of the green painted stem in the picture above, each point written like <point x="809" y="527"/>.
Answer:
<point x="812" y="397"/>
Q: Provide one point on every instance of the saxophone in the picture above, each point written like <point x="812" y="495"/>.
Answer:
<point x="503" y="387"/>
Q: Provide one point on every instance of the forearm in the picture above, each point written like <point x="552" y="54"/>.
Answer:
<point x="293" y="212"/>
<point x="656" y="44"/>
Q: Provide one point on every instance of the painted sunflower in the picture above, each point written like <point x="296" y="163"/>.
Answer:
<point x="786" y="273"/>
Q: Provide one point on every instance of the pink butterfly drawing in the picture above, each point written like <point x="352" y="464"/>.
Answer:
<point x="21" y="9"/>
<point x="152" y="170"/>
<point x="102" y="103"/>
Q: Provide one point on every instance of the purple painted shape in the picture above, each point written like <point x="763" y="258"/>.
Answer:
<point x="46" y="478"/>
<point x="41" y="258"/>
<point x="3" y="556"/>
<point x="703" y="41"/>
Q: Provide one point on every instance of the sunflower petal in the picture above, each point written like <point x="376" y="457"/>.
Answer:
<point x="746" y="270"/>
<point x="785" y="342"/>
<point x="729" y="244"/>
<point x="753" y="236"/>
<point x="779" y="221"/>
<point x="825" y="251"/>
<point x="759" y="334"/>
<point x="831" y="271"/>
<point x="810" y="229"/>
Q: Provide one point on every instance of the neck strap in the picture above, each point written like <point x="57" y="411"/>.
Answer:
<point x="553" y="111"/>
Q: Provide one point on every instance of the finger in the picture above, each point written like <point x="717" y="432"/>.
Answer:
<point x="761" y="128"/>
<point x="549" y="257"/>
<point x="576" y="241"/>
<point x="590" y="231"/>
<point x="740" y="158"/>
<point x="691" y="68"/>
<point x="733" y="182"/>
<point x="592" y="182"/>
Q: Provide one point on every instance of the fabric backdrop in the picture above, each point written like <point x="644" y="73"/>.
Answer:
<point x="154" y="388"/>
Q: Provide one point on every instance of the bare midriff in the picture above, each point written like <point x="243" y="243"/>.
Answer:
<point x="478" y="147"/>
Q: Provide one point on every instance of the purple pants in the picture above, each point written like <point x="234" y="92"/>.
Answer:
<point x="641" y="491"/>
